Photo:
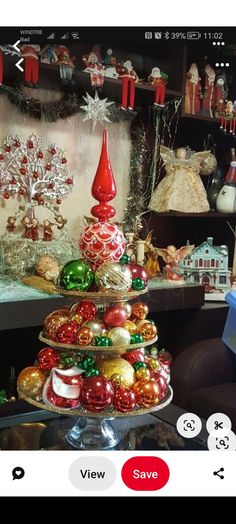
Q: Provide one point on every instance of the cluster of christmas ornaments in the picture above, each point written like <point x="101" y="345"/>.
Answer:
<point x="71" y="380"/>
<point x="121" y="277"/>
<point x="121" y="325"/>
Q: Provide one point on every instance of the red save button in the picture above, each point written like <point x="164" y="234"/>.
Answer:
<point x="145" y="473"/>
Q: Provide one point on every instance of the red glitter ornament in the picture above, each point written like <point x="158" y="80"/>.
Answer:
<point x="48" y="358"/>
<point x="96" y="394"/>
<point x="66" y="333"/>
<point x="115" y="316"/>
<point x="85" y="308"/>
<point x="138" y="355"/>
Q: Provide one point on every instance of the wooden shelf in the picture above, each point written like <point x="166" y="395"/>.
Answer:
<point x="203" y="118"/>
<point x="209" y="214"/>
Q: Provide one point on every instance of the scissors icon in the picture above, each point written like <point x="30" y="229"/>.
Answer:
<point x="218" y="425"/>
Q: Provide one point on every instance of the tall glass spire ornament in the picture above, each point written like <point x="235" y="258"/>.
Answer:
<point x="102" y="241"/>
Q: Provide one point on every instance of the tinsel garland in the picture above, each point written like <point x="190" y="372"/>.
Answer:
<point x="68" y="105"/>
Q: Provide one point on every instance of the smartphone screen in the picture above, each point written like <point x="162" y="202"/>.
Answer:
<point x="117" y="261"/>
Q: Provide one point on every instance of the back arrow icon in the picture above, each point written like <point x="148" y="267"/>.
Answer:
<point x="15" y="46"/>
<point x="18" y="65"/>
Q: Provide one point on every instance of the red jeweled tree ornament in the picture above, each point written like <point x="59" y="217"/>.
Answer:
<point x="102" y="241"/>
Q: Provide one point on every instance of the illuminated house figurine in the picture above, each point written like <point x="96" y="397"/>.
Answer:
<point x="208" y="265"/>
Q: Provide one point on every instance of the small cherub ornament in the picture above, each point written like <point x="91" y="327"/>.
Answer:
<point x="47" y="230"/>
<point x="11" y="224"/>
<point x="47" y="267"/>
<point x="172" y="257"/>
<point x="60" y="222"/>
<point x="158" y="79"/>
<point x="27" y="223"/>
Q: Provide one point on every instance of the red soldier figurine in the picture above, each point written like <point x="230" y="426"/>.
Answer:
<point x="47" y="231"/>
<point x="11" y="224"/>
<point x="129" y="77"/>
<point x="28" y="227"/>
<point x="30" y="53"/>
<point x="159" y="80"/>
<point x="208" y="98"/>
<point x="192" y="91"/>
<point x="35" y="229"/>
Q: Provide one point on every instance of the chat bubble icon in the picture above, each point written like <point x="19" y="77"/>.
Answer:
<point x="18" y="473"/>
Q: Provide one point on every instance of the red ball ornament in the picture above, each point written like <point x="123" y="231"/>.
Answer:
<point x="23" y="170"/>
<point x="115" y="316"/>
<point x="6" y="195"/>
<point x="40" y="154"/>
<point x="35" y="175"/>
<point x="21" y="191"/>
<point x="67" y="333"/>
<point x="52" y="399"/>
<point x="69" y="181"/>
<point x="30" y="144"/>
<point x="124" y="399"/>
<point x="48" y="167"/>
<point x="48" y="358"/>
<point x="101" y="242"/>
<point x="50" y="186"/>
<point x="138" y="272"/>
<point x="58" y="201"/>
<point x="63" y="161"/>
<point x="96" y="394"/>
<point x="86" y="309"/>
<point x="1" y="156"/>
<point x="24" y="160"/>
<point x="53" y="151"/>
<point x="7" y="149"/>
<point x="17" y="143"/>
<point x="161" y="382"/>
<point x="165" y="359"/>
<point x="138" y="355"/>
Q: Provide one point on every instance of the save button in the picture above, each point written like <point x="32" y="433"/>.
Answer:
<point x="145" y="473"/>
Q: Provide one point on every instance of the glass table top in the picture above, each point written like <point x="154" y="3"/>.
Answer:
<point x="41" y="430"/>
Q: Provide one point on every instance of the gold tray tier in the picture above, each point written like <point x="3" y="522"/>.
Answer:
<point x="102" y="297"/>
<point x="105" y="414"/>
<point x="114" y="350"/>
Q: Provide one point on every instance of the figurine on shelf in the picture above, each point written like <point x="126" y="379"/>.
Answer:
<point x="172" y="257"/>
<point x="66" y="62"/>
<point x="209" y="91"/>
<point x="158" y="79"/>
<point x="35" y="229"/>
<point x="60" y="222"/>
<point x="96" y="70"/>
<point x="28" y="227"/>
<point x="30" y="53"/>
<point x="130" y="248"/>
<point x="11" y="224"/>
<point x="128" y="76"/>
<point x="1" y="67"/>
<point x="182" y="189"/>
<point x="48" y="55"/>
<point x="110" y="65"/>
<point x="151" y="263"/>
<point x="47" y="231"/>
<point x="47" y="267"/>
<point x="192" y="91"/>
<point x="220" y="95"/>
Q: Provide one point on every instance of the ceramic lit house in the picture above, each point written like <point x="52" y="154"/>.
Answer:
<point x="208" y="265"/>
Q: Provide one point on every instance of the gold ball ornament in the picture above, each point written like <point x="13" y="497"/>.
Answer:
<point x="97" y="327"/>
<point x="77" y="318"/>
<point x="117" y="366"/>
<point x="130" y="326"/>
<point x="147" y="393"/>
<point x="139" y="310"/>
<point x="113" y="276"/>
<point x="148" y="331"/>
<point x="118" y="379"/>
<point x="84" y="336"/>
<point x="140" y="323"/>
<point x="52" y="324"/>
<point x="119" y="336"/>
<point x="143" y="374"/>
<point x="153" y="364"/>
<point x="127" y="307"/>
<point x="30" y="382"/>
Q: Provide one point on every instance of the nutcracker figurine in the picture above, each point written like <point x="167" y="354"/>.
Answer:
<point x="129" y="77"/>
<point x="158" y="79"/>
<point x="30" y="53"/>
<point x="209" y="91"/>
<point x="192" y="91"/>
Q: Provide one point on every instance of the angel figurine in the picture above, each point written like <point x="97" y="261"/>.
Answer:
<point x="172" y="257"/>
<point x="151" y="257"/>
<point x="182" y="189"/>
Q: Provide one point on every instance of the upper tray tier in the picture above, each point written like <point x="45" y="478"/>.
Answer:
<point x="114" y="350"/>
<point x="103" y="297"/>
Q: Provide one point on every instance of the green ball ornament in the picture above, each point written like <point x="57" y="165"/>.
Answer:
<point x="138" y="284"/>
<point x="87" y="363"/>
<point x="125" y="259"/>
<point x="76" y="274"/>
<point x="138" y="338"/>
<point x="139" y="365"/>
<point x="102" y="341"/>
<point x="132" y="339"/>
<point x="93" y="372"/>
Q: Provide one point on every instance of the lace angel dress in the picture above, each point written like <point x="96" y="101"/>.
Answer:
<point x="182" y="188"/>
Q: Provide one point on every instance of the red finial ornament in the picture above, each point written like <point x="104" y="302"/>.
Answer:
<point x="102" y="241"/>
<point x="104" y="186"/>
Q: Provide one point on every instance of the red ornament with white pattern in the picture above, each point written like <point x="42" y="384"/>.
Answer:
<point x="62" y="388"/>
<point x="102" y="241"/>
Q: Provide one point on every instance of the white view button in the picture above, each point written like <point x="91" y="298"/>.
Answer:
<point x="92" y="473"/>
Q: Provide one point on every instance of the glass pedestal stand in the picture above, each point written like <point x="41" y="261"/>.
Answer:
<point x="94" y="431"/>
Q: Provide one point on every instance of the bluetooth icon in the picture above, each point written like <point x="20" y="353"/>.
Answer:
<point x="166" y="35"/>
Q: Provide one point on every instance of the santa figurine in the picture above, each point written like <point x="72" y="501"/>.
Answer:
<point x="192" y="91"/>
<point x="220" y="95"/>
<point x="208" y="98"/>
<point x="96" y="70"/>
<point x="30" y="53"/>
<point x="128" y="76"/>
<point x="158" y="79"/>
